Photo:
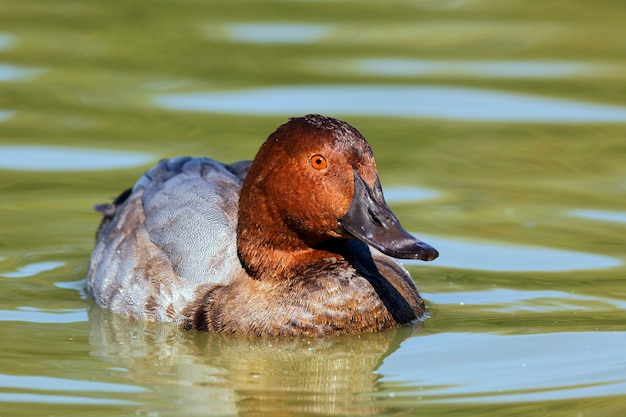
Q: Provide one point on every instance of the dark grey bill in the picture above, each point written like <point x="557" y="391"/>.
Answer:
<point x="371" y="221"/>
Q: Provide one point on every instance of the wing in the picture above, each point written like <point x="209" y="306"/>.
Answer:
<point x="174" y="232"/>
<point x="191" y="214"/>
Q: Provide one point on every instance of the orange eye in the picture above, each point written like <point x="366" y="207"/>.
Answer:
<point x="318" y="162"/>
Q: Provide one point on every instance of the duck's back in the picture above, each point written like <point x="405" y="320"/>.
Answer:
<point x="168" y="238"/>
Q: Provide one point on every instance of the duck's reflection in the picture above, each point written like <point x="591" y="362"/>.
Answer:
<point x="193" y="373"/>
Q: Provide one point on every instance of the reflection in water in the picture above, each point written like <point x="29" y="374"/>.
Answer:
<point x="504" y="300"/>
<point x="404" y="194"/>
<point x="5" y="41"/>
<point x="488" y="368"/>
<point x="276" y="32"/>
<point x="501" y="256"/>
<point x="372" y="374"/>
<point x="13" y="72"/>
<point x="32" y="269"/>
<point x="55" y="398"/>
<point x="56" y="158"/>
<point x="440" y="34"/>
<point x="602" y="215"/>
<point x="6" y="115"/>
<point x="209" y="374"/>
<point x="52" y="385"/>
<point x="500" y="69"/>
<point x="396" y="101"/>
<point x="36" y="316"/>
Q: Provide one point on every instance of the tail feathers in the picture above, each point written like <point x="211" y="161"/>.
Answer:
<point x="108" y="210"/>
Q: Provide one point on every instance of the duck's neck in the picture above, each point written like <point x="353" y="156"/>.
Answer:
<point x="272" y="251"/>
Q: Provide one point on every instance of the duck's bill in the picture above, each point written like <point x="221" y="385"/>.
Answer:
<point x="371" y="221"/>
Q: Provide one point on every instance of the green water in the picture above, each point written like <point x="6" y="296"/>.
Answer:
<point x="499" y="130"/>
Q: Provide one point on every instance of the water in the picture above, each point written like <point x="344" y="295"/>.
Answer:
<point x="396" y="101"/>
<point x="498" y="130"/>
<point x="55" y="158"/>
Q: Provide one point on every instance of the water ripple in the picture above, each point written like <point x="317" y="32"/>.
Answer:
<point x="504" y="300"/>
<point x="488" y="69"/>
<point x="458" y="103"/>
<point x="276" y="33"/>
<point x="488" y="368"/>
<point x="53" y="384"/>
<point x="32" y="269"/>
<point x="601" y="215"/>
<point x="405" y="194"/>
<point x="10" y="72"/>
<point x="58" y="399"/>
<point x="47" y="390"/>
<point x="32" y="315"/>
<point x="57" y="158"/>
<point x="5" y="41"/>
<point x="501" y="256"/>
<point x="6" y="115"/>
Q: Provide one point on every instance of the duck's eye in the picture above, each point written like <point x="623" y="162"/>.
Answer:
<point x="318" y="162"/>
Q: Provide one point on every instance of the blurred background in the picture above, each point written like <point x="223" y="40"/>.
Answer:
<point x="499" y="132"/>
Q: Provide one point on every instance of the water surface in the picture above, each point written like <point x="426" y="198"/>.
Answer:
<point x="498" y="130"/>
<point x="56" y="158"/>
<point x="424" y="101"/>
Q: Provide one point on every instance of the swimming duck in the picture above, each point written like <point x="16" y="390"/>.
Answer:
<point x="298" y="241"/>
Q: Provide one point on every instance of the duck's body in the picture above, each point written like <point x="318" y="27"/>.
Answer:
<point x="169" y="236"/>
<point x="197" y="244"/>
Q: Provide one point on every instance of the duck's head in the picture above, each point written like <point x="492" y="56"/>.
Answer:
<point x="312" y="181"/>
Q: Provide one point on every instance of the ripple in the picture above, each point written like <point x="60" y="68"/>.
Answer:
<point x="33" y="269"/>
<point x="72" y="285"/>
<point x="6" y="115"/>
<point x="602" y="215"/>
<point x="52" y="384"/>
<point x="42" y="385"/>
<point x="396" y="101"/>
<point x="32" y="315"/>
<point x="14" y="397"/>
<point x="404" y="194"/>
<point x="500" y="256"/>
<point x="490" y="368"/>
<point x="499" y="69"/>
<point x="52" y="158"/>
<point x="273" y="33"/>
<point x="5" y="41"/>
<point x="10" y="72"/>
<point x="504" y="300"/>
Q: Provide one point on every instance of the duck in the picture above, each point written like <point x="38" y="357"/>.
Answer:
<point x="297" y="242"/>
